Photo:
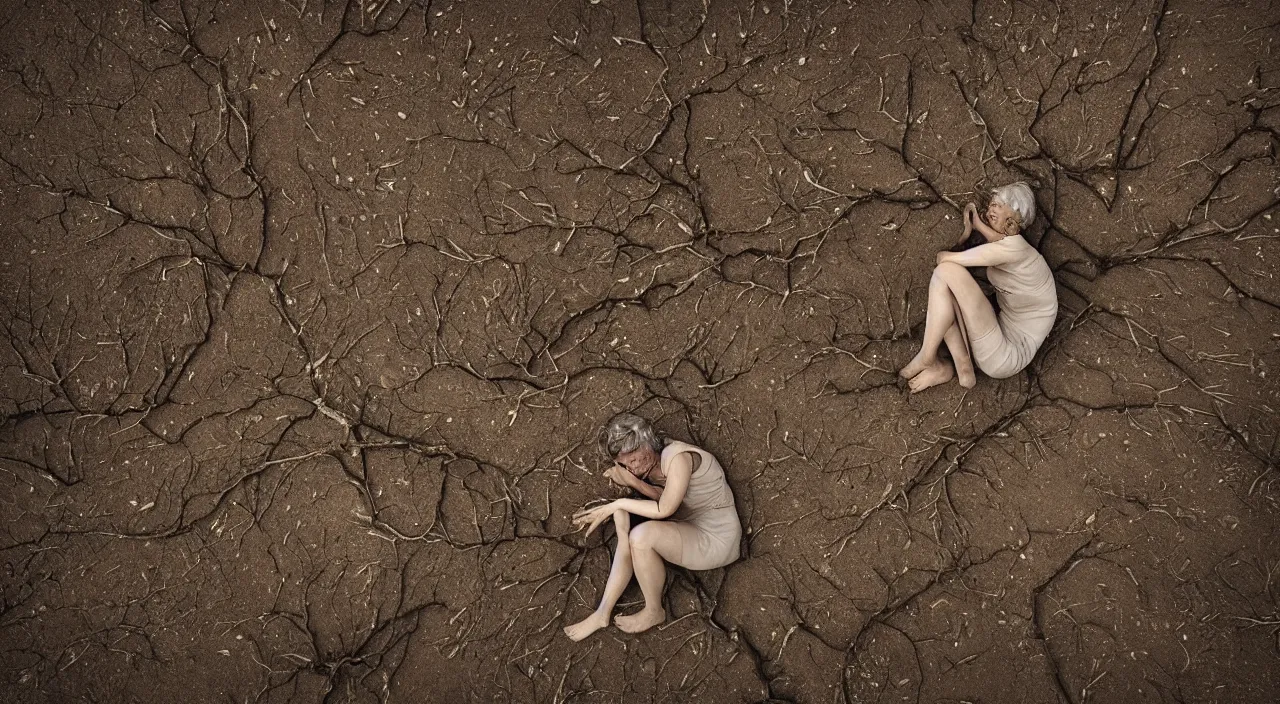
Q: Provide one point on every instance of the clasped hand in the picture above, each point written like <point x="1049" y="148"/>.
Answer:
<point x="971" y="219"/>
<point x="619" y="476"/>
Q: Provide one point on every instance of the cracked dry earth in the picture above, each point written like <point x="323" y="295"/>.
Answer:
<point x="313" y="312"/>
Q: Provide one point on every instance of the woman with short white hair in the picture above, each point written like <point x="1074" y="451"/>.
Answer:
<point x="693" y="521"/>
<point x="960" y="314"/>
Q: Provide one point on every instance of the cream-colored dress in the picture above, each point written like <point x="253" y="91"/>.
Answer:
<point x="1028" y="307"/>
<point x="707" y="518"/>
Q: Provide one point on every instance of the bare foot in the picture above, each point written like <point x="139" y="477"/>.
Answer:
<point x="587" y="626"/>
<point x="915" y="366"/>
<point x="965" y="375"/>
<point x="641" y="620"/>
<point x="937" y="373"/>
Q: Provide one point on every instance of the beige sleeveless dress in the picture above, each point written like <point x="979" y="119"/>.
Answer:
<point x="707" y="518"/>
<point x="1028" y="306"/>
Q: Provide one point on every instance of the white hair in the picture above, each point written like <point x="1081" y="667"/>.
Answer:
<point x="1019" y="198"/>
<point x="628" y="432"/>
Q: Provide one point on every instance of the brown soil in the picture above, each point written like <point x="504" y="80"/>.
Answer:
<point x="313" y="313"/>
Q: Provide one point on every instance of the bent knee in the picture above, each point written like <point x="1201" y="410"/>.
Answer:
<point x="643" y="537"/>
<point x="949" y="270"/>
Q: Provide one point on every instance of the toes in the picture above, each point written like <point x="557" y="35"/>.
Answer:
<point x="931" y="376"/>
<point x="584" y="628"/>
<point x="638" y="622"/>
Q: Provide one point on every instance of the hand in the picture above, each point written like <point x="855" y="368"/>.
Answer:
<point x="942" y="257"/>
<point x="969" y="216"/>
<point x="592" y="517"/>
<point x="618" y="475"/>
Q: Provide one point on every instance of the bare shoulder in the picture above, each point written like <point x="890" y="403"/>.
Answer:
<point x="672" y="447"/>
<point x="684" y="453"/>
<point x="678" y="453"/>
<point x="677" y="447"/>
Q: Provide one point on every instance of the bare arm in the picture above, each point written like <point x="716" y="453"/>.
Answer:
<point x="620" y="476"/>
<point x="678" y="472"/>
<point x="969" y="214"/>
<point x="988" y="231"/>
<point x="989" y="254"/>
<point x="647" y="489"/>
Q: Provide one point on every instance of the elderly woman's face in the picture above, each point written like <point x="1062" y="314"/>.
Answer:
<point x="639" y="462"/>
<point x="1002" y="218"/>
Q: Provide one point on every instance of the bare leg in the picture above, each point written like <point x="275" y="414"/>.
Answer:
<point x="953" y="296"/>
<point x="619" y="575"/>
<point x="939" y="318"/>
<point x="960" y="356"/>
<point x="650" y="543"/>
<point x="914" y="367"/>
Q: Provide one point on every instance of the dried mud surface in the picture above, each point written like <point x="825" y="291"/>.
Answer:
<point x="313" y="310"/>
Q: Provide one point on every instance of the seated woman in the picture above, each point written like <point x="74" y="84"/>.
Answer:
<point x="960" y="314"/>
<point x="703" y="534"/>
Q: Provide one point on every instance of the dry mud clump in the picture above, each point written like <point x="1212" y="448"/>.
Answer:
<point x="312" y="312"/>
